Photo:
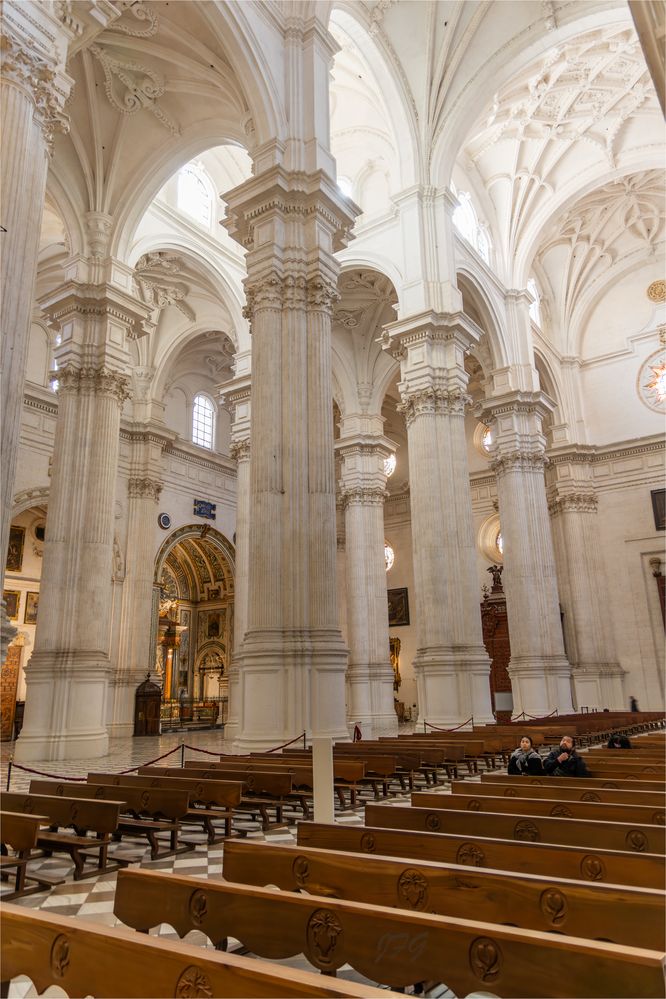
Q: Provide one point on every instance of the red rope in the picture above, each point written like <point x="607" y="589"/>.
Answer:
<point x="291" y="741"/>
<point x="208" y="752"/>
<point x="68" y="778"/>
<point x="438" y="729"/>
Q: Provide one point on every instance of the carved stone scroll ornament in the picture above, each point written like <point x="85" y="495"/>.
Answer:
<point x="22" y="67"/>
<point x="154" y="277"/>
<point x="142" y="86"/>
<point x="433" y="401"/>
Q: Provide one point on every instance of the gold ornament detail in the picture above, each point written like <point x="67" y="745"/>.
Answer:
<point x="656" y="292"/>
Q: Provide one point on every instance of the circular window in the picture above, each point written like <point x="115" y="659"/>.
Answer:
<point x="389" y="465"/>
<point x="389" y="556"/>
<point x="651" y="384"/>
<point x="483" y="440"/>
<point x="490" y="541"/>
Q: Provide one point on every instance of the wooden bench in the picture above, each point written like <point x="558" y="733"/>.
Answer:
<point x="388" y="946"/>
<point x="516" y="787"/>
<point x="19" y="832"/>
<point x="643" y="870"/>
<point x="591" y="783"/>
<point x="527" y="805"/>
<point x="85" y="958"/>
<point x="531" y="828"/>
<point x="578" y="908"/>
<point x="262" y="790"/>
<point x="209" y="800"/>
<point x="98" y="817"/>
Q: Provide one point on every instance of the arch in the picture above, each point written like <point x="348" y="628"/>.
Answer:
<point x="353" y="258"/>
<point x="196" y="532"/>
<point x="29" y="498"/>
<point x="549" y="382"/>
<point x="472" y="284"/>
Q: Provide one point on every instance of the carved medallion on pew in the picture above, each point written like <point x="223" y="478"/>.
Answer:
<point x="590" y="796"/>
<point x="60" y="956"/>
<point x="485" y="959"/>
<point x="474" y="805"/>
<point x="413" y="889"/>
<point x="659" y="818"/>
<point x="322" y="934"/>
<point x="554" y="906"/>
<point x="526" y="830"/>
<point x="511" y="792"/>
<point x="636" y="840"/>
<point x="368" y="843"/>
<point x="194" y="983"/>
<point x="593" y="868"/>
<point x="611" y="783"/>
<point x="470" y="855"/>
<point x="433" y="823"/>
<point x="301" y="869"/>
<point x="99" y="792"/>
<point x="198" y="906"/>
<point x="561" y="811"/>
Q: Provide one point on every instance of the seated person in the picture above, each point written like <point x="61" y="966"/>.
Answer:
<point x="619" y="742"/>
<point x="525" y="760"/>
<point x="565" y="761"/>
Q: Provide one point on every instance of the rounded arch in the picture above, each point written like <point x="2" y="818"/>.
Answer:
<point x="550" y="383"/>
<point x="472" y="288"/>
<point x="354" y="258"/>
<point x="189" y="332"/>
<point x="195" y="532"/>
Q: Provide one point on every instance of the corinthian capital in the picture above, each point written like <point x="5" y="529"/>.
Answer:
<point x="142" y="488"/>
<point x="433" y="401"/>
<point x="581" y="502"/>
<point x="102" y="381"/>
<point x="240" y="450"/>
<point x="363" y="496"/>
<point x="530" y="459"/>
<point x="32" y="73"/>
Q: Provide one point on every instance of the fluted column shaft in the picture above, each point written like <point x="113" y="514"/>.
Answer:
<point x="68" y="674"/>
<point x="596" y="673"/>
<point x="369" y="674"/>
<point x="539" y="670"/>
<point x="292" y="661"/>
<point x="451" y="665"/>
<point x="240" y="450"/>
<point x="32" y="93"/>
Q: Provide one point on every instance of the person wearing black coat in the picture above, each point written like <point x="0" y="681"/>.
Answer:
<point x="565" y="761"/>
<point x="619" y="742"/>
<point x="525" y="761"/>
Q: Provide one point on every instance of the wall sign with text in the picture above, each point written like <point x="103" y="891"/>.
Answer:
<point x="202" y="508"/>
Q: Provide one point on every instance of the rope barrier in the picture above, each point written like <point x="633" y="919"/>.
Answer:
<point x="523" y="715"/>
<point x="438" y="729"/>
<point x="208" y="752"/>
<point x="69" y="778"/>
<point x="284" y="744"/>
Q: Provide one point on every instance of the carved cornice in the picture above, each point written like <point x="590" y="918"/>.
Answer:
<point x="41" y="405"/>
<point x="144" y="488"/>
<point x="35" y="75"/>
<point x="433" y="401"/>
<point x="240" y="450"/>
<point x="92" y="381"/>
<point x="363" y="496"/>
<point x="520" y="460"/>
<point x="586" y="502"/>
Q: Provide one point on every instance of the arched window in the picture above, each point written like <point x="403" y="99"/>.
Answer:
<point x="203" y="422"/>
<point x="535" y="306"/>
<point x="346" y="186"/>
<point x="468" y="225"/>
<point x="194" y="193"/>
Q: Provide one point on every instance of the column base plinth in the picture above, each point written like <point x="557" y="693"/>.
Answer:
<point x="599" y="685"/>
<point x="540" y="685"/>
<point x="453" y="685"/>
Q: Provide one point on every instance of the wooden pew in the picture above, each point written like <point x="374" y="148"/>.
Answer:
<point x="527" y="805"/>
<point x="99" y="817"/>
<point x="157" y="805"/>
<point x="578" y="908"/>
<point x="389" y="946"/>
<point x="591" y="783"/>
<point x="579" y="791"/>
<point x="86" y="958"/>
<point x="532" y="828"/>
<point x="262" y="789"/>
<point x="643" y="870"/>
<point x="19" y="832"/>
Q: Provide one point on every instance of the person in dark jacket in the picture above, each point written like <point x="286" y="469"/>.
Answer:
<point x="619" y="742"/>
<point x="525" y="760"/>
<point x="565" y="761"/>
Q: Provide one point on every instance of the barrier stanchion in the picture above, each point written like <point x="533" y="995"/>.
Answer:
<point x="9" y="772"/>
<point x="182" y="755"/>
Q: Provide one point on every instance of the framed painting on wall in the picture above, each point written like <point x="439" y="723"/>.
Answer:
<point x="12" y="600"/>
<point x="30" y="613"/>
<point x="659" y="508"/>
<point x="15" y="549"/>
<point x="398" y="607"/>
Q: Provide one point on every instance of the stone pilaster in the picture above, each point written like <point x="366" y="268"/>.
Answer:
<point x="363" y="490"/>
<point x="68" y="674"/>
<point x="292" y="660"/>
<point x="539" y="669"/>
<point x="238" y="394"/>
<point x="451" y="665"/>
<point x="33" y="91"/>
<point x="572" y="503"/>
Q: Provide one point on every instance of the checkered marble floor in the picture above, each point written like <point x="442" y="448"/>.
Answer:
<point x="92" y="898"/>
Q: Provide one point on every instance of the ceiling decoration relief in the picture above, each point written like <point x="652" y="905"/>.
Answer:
<point x="576" y="111"/>
<point x="156" y="275"/>
<point x="613" y="224"/>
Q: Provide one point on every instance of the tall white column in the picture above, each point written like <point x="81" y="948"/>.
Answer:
<point x="238" y="394"/>
<point x="292" y="661"/>
<point x="33" y="91"/>
<point x="68" y="674"/>
<point x="539" y="669"/>
<point x="451" y="666"/>
<point x="363" y="490"/>
<point x="572" y="503"/>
